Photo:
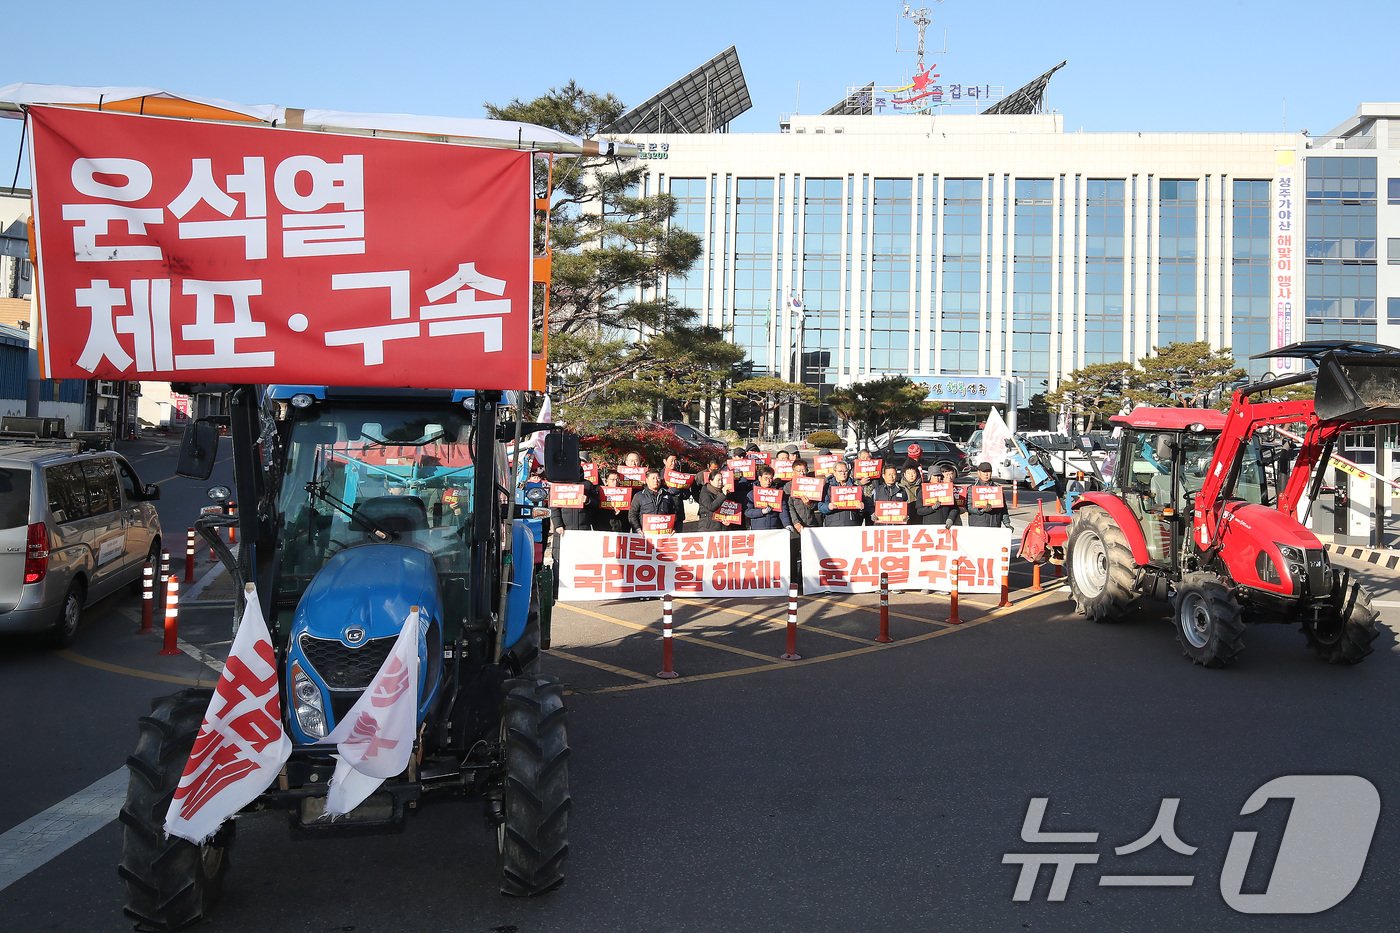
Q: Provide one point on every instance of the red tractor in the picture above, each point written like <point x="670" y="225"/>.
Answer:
<point x="1190" y="514"/>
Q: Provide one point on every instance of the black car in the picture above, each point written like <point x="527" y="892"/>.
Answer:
<point x="936" y="452"/>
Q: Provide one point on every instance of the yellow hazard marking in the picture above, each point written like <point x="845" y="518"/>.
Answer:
<point x="600" y="665"/>
<point x="132" y="671"/>
<point x="684" y="636"/>
<point x="991" y="616"/>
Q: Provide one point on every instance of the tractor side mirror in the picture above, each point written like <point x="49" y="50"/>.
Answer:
<point x="561" y="463"/>
<point x="199" y="448"/>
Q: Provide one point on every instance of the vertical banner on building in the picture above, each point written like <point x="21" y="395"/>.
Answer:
<point x="1284" y="259"/>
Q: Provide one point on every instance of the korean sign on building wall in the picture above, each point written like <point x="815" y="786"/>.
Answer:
<point x="1285" y="272"/>
<point x="985" y="389"/>
<point x="204" y="252"/>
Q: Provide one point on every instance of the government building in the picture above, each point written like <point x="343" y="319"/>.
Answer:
<point x="989" y="253"/>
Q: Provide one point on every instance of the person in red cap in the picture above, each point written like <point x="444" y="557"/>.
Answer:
<point x="914" y="455"/>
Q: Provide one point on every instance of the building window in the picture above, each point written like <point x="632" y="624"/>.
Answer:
<point x="1392" y="190"/>
<point x="1176" y="262"/>
<point x="1031" y="282"/>
<point x="960" y="299"/>
<point x="890" y="268"/>
<point x="1392" y="251"/>
<point x="1252" y="321"/>
<point x="688" y="291"/>
<point x="821" y="290"/>
<point x="1392" y="310"/>
<point x="1341" y="248"/>
<point x="1105" y="322"/>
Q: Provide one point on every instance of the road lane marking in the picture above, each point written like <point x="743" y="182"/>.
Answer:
<point x="693" y="639"/>
<point x="600" y="665"/>
<point x="782" y="622"/>
<point x="1386" y="603"/>
<point x="992" y="615"/>
<point x="69" y="655"/>
<point x="42" y="838"/>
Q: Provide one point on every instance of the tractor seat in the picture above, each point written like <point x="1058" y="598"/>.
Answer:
<point x="396" y="514"/>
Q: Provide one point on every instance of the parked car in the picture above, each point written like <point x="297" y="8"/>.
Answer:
<point x="74" y="527"/>
<point x="936" y="451"/>
<point x="699" y="445"/>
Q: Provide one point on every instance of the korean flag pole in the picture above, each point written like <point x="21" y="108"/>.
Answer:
<point x="375" y="739"/>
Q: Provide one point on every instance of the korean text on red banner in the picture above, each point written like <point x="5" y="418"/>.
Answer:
<point x="915" y="557"/>
<point x="598" y="565"/>
<point x="208" y="252"/>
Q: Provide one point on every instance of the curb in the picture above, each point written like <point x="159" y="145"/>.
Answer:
<point x="1390" y="560"/>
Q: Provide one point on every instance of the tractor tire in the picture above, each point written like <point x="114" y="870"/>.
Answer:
<point x="1100" y="568"/>
<point x="170" y="883"/>
<point x="532" y="839"/>
<point x="1345" y="633"/>
<point x="1208" y="620"/>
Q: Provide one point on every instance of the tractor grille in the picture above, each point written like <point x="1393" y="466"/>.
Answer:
<point x="345" y="668"/>
<point x="1319" y="573"/>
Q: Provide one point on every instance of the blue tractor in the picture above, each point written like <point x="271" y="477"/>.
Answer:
<point x="369" y="502"/>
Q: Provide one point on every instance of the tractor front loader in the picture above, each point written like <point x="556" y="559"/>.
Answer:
<point x="1191" y="516"/>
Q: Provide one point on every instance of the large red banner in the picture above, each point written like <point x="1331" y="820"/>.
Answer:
<point x="206" y="252"/>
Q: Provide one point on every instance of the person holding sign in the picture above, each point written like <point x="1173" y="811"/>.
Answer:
<point x="941" y="497"/>
<point x="614" y="504"/>
<point x="572" y="507"/>
<point x="889" y="499"/>
<point x="764" y="508"/>
<point x="708" y="501"/>
<point x="843" y="504"/>
<point x="913" y="481"/>
<point x="654" y="499"/>
<point x="986" y="504"/>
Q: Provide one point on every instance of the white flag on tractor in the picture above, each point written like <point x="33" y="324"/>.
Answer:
<point x="241" y="745"/>
<point x="375" y="739"/>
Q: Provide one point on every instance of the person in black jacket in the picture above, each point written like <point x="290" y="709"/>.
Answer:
<point x="655" y="499"/>
<point x="615" y="520"/>
<point x="946" y="515"/>
<point x="762" y="517"/>
<point x="708" y="501"/>
<point x="563" y="519"/>
<point x="842" y="518"/>
<point x="913" y="482"/>
<point x="986" y="516"/>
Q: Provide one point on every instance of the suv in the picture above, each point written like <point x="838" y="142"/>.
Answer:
<point x="936" y="452"/>
<point x="697" y="443"/>
<point x="74" y="527"/>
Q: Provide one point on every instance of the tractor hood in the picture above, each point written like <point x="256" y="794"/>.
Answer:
<point x="365" y="592"/>
<point x="1267" y="527"/>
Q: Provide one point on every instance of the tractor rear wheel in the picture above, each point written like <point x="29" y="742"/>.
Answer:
<point x="1100" y="567"/>
<point x="532" y="838"/>
<point x="170" y="883"/>
<point x="1344" y="633"/>
<point x="1209" y="623"/>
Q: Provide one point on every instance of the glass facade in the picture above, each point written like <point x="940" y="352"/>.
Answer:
<point x="959" y="310"/>
<point x="1341" y="247"/>
<point x="1250" y="312"/>
<point x="1032" y="254"/>
<point x="819" y="331"/>
<point x="754" y="290"/>
<point x="1176" y="264"/>
<point x="688" y="291"/>
<point x="891" y="268"/>
<point x="1105" y="333"/>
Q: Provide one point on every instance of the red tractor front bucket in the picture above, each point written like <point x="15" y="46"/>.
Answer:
<point x="1358" y="387"/>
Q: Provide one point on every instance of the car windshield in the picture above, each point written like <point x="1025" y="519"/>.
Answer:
<point x="359" y="475"/>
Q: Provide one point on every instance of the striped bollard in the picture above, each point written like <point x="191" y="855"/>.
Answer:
<point x="791" y="654"/>
<point x="164" y="564"/>
<point x="189" y="556"/>
<point x="233" y="529"/>
<point x="172" y="615"/>
<point x="884" y="636"/>
<point x="148" y="597"/>
<point x="668" y="669"/>
<point x="1015" y="494"/>
<point x="1005" y="580"/>
<point x="953" y="600"/>
<point x="1035" y="578"/>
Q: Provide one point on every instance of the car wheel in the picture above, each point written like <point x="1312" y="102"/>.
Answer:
<point x="70" y="614"/>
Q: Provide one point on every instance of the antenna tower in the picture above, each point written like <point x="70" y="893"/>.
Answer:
<point x="921" y="20"/>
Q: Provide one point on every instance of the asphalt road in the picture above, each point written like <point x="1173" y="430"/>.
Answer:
<point x="880" y="790"/>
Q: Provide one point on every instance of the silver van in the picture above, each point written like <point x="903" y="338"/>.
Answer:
<point x="74" y="527"/>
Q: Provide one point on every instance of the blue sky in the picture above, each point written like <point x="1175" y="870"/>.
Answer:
<point x="1189" y="65"/>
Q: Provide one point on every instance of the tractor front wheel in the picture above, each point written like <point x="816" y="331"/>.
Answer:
<point x="1347" y="626"/>
<point x="1100" y="567"/>
<point x="532" y="838"/>
<point x="170" y="883"/>
<point x="1209" y="623"/>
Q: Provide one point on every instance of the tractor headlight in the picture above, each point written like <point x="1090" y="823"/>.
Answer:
<point x="302" y="400"/>
<point x="1265" y="567"/>
<point x="311" y="714"/>
<point x="1297" y="563"/>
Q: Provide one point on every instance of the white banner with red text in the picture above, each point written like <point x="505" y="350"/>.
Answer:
<point x="600" y="565"/>
<point x="914" y="557"/>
